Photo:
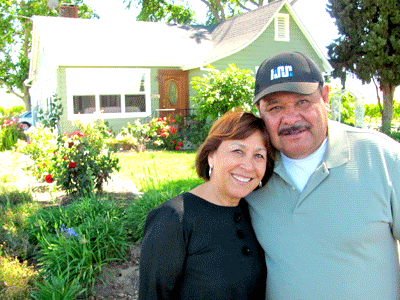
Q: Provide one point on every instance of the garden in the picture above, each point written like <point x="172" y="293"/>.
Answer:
<point x="62" y="248"/>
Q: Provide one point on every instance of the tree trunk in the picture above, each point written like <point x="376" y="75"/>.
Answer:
<point x="387" y="113"/>
<point x="25" y="88"/>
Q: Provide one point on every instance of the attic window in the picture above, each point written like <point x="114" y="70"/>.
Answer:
<point x="282" y="28"/>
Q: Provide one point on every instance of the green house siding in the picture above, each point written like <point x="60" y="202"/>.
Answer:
<point x="265" y="46"/>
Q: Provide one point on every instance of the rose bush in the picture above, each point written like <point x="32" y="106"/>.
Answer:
<point x="167" y="135"/>
<point x="10" y="133"/>
<point x="79" y="162"/>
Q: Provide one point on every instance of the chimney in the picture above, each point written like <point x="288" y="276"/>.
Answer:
<point x="68" y="10"/>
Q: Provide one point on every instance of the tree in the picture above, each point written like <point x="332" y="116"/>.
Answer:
<point x="16" y="40"/>
<point x="218" y="10"/>
<point x="369" y="45"/>
<point x="219" y="92"/>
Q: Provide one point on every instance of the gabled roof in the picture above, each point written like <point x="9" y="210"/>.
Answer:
<point x="236" y="33"/>
<point x="92" y="42"/>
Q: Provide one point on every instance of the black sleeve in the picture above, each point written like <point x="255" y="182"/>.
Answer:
<point x="163" y="255"/>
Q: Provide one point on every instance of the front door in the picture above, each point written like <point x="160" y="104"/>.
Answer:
<point x="173" y="89"/>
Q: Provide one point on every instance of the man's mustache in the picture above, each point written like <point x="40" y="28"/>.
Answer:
<point x="292" y="129"/>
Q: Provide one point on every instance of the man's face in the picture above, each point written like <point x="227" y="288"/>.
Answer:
<point x="297" y="123"/>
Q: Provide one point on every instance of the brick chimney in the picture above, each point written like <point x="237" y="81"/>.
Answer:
<point x="68" y="10"/>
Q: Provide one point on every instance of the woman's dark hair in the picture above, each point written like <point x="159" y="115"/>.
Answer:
<point x="234" y="125"/>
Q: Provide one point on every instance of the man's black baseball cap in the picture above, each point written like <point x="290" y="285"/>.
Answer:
<point x="287" y="72"/>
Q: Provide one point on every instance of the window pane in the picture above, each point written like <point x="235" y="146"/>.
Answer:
<point x="110" y="103"/>
<point x="172" y="93"/>
<point x="84" y="104"/>
<point x="135" y="103"/>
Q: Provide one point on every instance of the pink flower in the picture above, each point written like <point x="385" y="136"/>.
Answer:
<point x="49" y="178"/>
<point x="72" y="164"/>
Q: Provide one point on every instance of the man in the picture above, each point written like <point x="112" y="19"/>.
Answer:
<point x="329" y="217"/>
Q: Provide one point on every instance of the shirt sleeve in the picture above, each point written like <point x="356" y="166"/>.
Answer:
<point x="163" y="254"/>
<point x="395" y="197"/>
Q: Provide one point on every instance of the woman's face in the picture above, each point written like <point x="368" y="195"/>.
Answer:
<point x="238" y="166"/>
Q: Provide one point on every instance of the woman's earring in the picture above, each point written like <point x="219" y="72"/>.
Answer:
<point x="210" y="170"/>
<point x="260" y="185"/>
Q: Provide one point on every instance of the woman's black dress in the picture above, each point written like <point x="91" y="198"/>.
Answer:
<point x="193" y="249"/>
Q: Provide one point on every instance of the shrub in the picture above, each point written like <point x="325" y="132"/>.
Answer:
<point x="79" y="162"/>
<point x="195" y="130"/>
<point x="10" y="133"/>
<point x="16" y="278"/>
<point x="219" y="92"/>
<point x="41" y="147"/>
<point x="136" y="134"/>
<point x="166" y="133"/>
<point x="83" y="164"/>
<point x="51" y="117"/>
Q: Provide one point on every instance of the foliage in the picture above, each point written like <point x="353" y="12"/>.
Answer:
<point x="16" y="40"/>
<point x="137" y="134"/>
<point x="51" y="117"/>
<point x="58" y="287"/>
<point x="155" y="11"/>
<point x="195" y="130"/>
<point x="369" y="45"/>
<point x="79" y="162"/>
<point x="15" y="208"/>
<point x="218" y="10"/>
<point x="41" y="147"/>
<point x="347" y="106"/>
<point x="166" y="133"/>
<point x="83" y="162"/>
<point x="219" y="92"/>
<point x="75" y="241"/>
<point x="12" y="112"/>
<point x="10" y="133"/>
<point x="16" y="278"/>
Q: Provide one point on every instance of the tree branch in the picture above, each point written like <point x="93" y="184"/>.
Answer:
<point x="9" y="89"/>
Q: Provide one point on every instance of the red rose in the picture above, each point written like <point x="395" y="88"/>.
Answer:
<point x="174" y="130"/>
<point x="180" y="144"/>
<point x="49" y="178"/>
<point x="173" y="142"/>
<point x="177" y="148"/>
<point x="64" y="158"/>
<point x="72" y="164"/>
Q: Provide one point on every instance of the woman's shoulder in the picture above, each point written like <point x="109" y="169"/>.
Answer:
<point x="175" y="205"/>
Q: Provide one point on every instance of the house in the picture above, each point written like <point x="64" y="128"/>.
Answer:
<point x="131" y="69"/>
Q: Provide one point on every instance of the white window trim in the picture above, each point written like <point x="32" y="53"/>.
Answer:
<point x="123" y="115"/>
<point x="278" y="32"/>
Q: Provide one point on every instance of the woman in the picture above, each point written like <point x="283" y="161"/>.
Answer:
<point x="200" y="244"/>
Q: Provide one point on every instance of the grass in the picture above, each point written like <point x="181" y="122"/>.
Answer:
<point x="142" y="168"/>
<point x="32" y="236"/>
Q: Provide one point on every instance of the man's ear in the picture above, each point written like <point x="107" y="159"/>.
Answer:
<point x="325" y="96"/>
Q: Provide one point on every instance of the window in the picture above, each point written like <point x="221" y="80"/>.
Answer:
<point x="84" y="104"/>
<point x="116" y="92"/>
<point x="282" y="28"/>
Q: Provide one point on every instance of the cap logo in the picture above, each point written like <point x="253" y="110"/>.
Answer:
<point x="282" y="71"/>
